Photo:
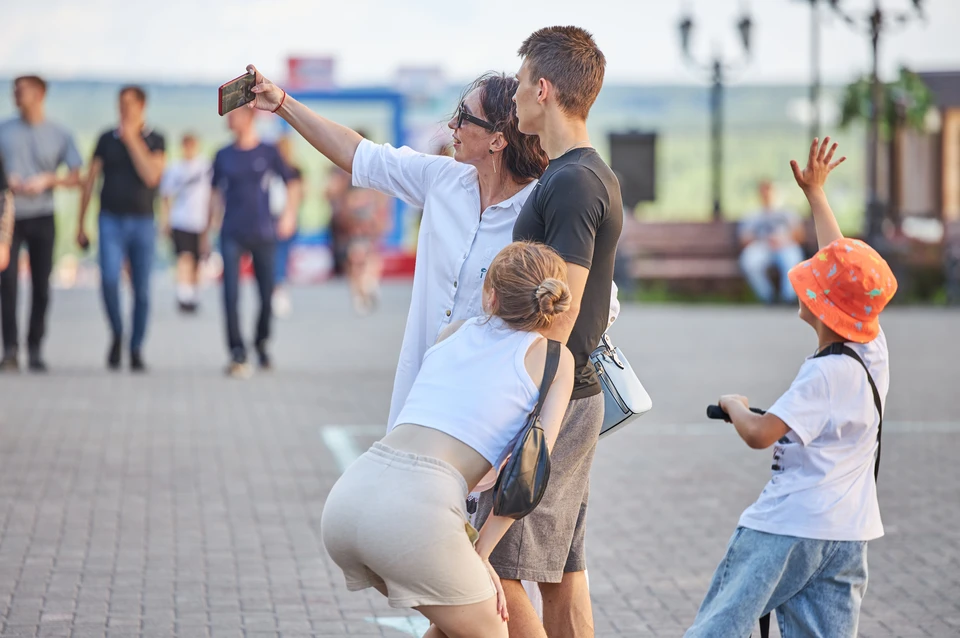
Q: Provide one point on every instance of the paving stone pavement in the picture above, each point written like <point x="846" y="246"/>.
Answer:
<point x="182" y="503"/>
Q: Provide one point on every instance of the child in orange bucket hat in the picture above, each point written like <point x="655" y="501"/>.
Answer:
<point x="801" y="548"/>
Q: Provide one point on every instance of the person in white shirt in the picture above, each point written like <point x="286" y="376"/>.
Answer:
<point x="470" y="202"/>
<point x="801" y="549"/>
<point x="396" y="520"/>
<point x="185" y="189"/>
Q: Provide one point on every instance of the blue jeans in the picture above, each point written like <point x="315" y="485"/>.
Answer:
<point x="132" y="237"/>
<point x="757" y="257"/>
<point x="262" y="251"/>
<point x="815" y="586"/>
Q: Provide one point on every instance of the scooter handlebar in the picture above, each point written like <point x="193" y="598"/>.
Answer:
<point x="716" y="412"/>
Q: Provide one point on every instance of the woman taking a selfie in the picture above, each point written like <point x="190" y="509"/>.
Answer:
<point x="396" y="519"/>
<point x="470" y="202"/>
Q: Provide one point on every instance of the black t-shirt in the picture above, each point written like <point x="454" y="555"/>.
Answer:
<point x="123" y="192"/>
<point x="577" y="210"/>
<point x="3" y="178"/>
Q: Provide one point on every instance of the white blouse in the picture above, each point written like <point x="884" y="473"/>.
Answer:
<point x="454" y="248"/>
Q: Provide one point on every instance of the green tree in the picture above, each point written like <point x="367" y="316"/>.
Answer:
<point x="905" y="102"/>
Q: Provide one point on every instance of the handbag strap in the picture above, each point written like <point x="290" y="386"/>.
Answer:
<point x="550" y="367"/>
<point x="844" y="349"/>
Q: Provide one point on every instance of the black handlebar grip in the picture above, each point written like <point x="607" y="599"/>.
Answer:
<point x="716" y="412"/>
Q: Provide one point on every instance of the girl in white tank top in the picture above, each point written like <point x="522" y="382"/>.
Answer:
<point x="396" y="519"/>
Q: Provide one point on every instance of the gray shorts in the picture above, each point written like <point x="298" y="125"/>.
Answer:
<point x="551" y="540"/>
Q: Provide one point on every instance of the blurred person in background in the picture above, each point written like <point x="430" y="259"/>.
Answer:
<point x="33" y="148"/>
<point x="131" y="159"/>
<point x="279" y="196"/>
<point x="339" y="183"/>
<point x="470" y="202"/>
<point x="770" y="237"/>
<point x="335" y="192"/>
<point x="185" y="213"/>
<point x="6" y="219"/>
<point x="367" y="218"/>
<point x="240" y="207"/>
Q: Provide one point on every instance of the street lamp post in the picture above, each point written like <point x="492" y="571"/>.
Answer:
<point x="877" y="22"/>
<point x="718" y="71"/>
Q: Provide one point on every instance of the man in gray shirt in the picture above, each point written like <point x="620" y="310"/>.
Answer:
<point x="32" y="149"/>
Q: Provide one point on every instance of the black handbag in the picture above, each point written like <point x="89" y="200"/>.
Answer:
<point x="523" y="479"/>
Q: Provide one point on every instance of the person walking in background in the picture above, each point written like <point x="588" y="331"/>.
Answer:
<point x="770" y="237"/>
<point x="335" y="192"/>
<point x="6" y="219"/>
<point x="33" y="148"/>
<point x="279" y="196"/>
<point x="240" y="206"/>
<point x="184" y="216"/>
<point x="366" y="218"/>
<point x="131" y="160"/>
<point x="577" y="210"/>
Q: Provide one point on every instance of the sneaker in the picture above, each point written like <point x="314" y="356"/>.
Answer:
<point x="10" y="362"/>
<point x="263" y="357"/>
<point x="36" y="362"/>
<point x="281" y="304"/>
<point x="136" y="362"/>
<point x="239" y="370"/>
<point x="113" y="356"/>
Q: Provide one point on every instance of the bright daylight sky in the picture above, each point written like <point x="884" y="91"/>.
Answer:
<point x="212" y="40"/>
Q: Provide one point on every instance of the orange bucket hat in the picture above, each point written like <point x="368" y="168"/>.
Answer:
<point x="846" y="284"/>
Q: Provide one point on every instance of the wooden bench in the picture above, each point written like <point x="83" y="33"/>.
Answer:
<point x="681" y="250"/>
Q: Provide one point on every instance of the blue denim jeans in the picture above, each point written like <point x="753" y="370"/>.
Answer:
<point x="815" y="586"/>
<point x="262" y="251"/>
<point x="132" y="237"/>
<point x="757" y="257"/>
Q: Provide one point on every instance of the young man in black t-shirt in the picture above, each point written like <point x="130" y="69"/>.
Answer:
<point x="131" y="159"/>
<point x="576" y="208"/>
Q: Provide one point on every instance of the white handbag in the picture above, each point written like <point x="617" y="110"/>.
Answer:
<point x="624" y="398"/>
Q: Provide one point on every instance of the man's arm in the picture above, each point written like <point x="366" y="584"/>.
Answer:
<point x="96" y="167"/>
<point x="811" y="180"/>
<point x="215" y="217"/>
<point x="6" y="227"/>
<point x="148" y="164"/>
<point x="563" y="324"/>
<point x="288" y="220"/>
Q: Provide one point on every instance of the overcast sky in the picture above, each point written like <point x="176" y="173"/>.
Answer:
<point x="212" y="40"/>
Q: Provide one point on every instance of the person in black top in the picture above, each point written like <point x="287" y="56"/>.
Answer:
<point x="131" y="159"/>
<point x="576" y="209"/>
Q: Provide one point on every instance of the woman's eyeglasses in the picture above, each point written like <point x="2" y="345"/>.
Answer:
<point x="462" y="116"/>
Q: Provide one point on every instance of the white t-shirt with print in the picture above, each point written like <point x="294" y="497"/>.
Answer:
<point x="823" y="486"/>
<point x="187" y="183"/>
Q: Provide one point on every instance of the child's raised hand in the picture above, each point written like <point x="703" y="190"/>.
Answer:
<point x="818" y="165"/>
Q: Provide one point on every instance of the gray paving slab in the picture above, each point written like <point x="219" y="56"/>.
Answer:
<point x="183" y="503"/>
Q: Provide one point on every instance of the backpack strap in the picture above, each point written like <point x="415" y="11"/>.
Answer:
<point x="550" y="367"/>
<point x="844" y="349"/>
<point x="765" y="626"/>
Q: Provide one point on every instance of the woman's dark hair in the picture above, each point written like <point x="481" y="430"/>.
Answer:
<point x="522" y="158"/>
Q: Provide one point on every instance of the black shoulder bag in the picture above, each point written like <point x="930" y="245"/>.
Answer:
<point x="842" y="348"/>
<point x="523" y="480"/>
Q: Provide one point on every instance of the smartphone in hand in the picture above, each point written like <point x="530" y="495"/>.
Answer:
<point x="236" y="93"/>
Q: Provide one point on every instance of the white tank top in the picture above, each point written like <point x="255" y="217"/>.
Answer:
<point x="475" y="387"/>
